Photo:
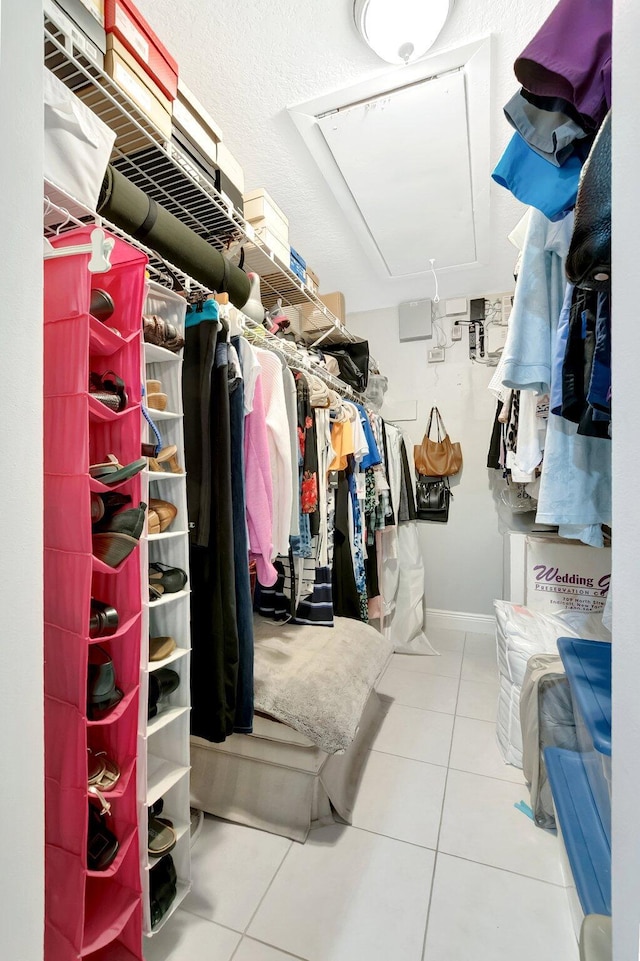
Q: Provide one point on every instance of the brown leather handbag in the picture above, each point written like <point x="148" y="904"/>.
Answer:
<point x="437" y="458"/>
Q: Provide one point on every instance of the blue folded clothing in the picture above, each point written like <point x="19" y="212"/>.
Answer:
<point x="536" y="182"/>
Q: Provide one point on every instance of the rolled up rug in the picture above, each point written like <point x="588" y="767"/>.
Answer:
<point x="129" y="208"/>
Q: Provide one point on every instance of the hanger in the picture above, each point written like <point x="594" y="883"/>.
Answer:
<point x="100" y="249"/>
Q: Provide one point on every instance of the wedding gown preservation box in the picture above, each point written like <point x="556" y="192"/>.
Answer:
<point x="547" y="573"/>
<point x="126" y="23"/>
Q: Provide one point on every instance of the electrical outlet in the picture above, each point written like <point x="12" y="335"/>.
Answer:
<point x="456" y="332"/>
<point x="436" y="355"/>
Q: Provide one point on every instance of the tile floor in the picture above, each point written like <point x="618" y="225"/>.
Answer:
<point x="437" y="866"/>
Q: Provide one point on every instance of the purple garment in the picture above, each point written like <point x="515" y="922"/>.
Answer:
<point x="570" y="57"/>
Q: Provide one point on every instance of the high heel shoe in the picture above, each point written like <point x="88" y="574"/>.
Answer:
<point x="160" y="516"/>
<point x="109" y="389"/>
<point x="155" y="398"/>
<point x="166" y="461"/>
<point x="165" y="580"/>
<point x="113" y="542"/>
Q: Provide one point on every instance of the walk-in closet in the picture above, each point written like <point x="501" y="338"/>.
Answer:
<point x="320" y="557"/>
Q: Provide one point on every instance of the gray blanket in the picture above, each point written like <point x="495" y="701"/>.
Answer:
<point x="317" y="679"/>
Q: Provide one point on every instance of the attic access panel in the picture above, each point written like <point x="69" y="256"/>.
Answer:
<point x="405" y="159"/>
<point x="417" y="163"/>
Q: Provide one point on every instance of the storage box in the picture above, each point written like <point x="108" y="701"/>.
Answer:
<point x="192" y="120"/>
<point x="588" y="667"/>
<point x="547" y="573"/>
<point x="274" y="243"/>
<point x="125" y="71"/>
<point x="298" y="265"/>
<point x="315" y="322"/>
<point x="82" y="32"/>
<point x="205" y="166"/>
<point x="125" y="22"/>
<point x="230" y="167"/>
<point x="312" y="281"/>
<point x="261" y="210"/>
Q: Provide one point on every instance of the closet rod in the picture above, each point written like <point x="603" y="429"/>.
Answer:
<point x="163" y="268"/>
<point x="300" y="361"/>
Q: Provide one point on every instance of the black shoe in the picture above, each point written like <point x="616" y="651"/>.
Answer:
<point x="104" y="619"/>
<point x="162" y="888"/>
<point x="162" y="683"/>
<point x="102" y="845"/>
<point x="102" y="693"/>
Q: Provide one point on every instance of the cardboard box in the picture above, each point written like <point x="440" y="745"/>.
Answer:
<point x="261" y="210"/>
<point x="274" y="243"/>
<point x="206" y="167"/>
<point x="191" y="119"/>
<point x="230" y="167"/>
<point x="312" y="281"/>
<point x="82" y="31"/>
<point x="548" y="573"/>
<point x="315" y="322"/>
<point x="125" y="71"/>
<point x="125" y="22"/>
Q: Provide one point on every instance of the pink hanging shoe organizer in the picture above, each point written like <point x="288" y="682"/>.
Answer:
<point x="89" y="914"/>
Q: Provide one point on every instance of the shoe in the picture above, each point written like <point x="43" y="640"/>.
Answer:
<point x="161" y="515"/>
<point x="102" y="305"/>
<point x="112" y="472"/>
<point x="102" y="693"/>
<point x="103" y="773"/>
<point x="109" y="389"/>
<point x="166" y="461"/>
<point x="163" y="886"/>
<point x="155" y="398"/>
<point x="161" y="836"/>
<point x="165" y="580"/>
<point x="102" y="844"/>
<point x="113" y="542"/>
<point x="160" y="648"/>
<point x="162" y="683"/>
<point x="162" y="333"/>
<point x="103" y="620"/>
<point x="104" y="507"/>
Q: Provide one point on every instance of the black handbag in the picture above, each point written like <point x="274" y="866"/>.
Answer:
<point x="433" y="495"/>
<point x="353" y="361"/>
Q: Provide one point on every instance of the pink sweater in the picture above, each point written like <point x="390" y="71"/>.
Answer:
<point x="259" y="489"/>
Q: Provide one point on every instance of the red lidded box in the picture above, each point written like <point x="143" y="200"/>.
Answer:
<point x="125" y="21"/>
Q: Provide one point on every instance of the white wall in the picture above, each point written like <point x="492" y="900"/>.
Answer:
<point x="21" y="744"/>
<point x="463" y="559"/>
<point x="626" y="469"/>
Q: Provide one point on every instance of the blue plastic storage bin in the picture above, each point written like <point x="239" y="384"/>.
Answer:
<point x="588" y="667"/>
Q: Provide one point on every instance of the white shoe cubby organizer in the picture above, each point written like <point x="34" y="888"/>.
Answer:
<point x="164" y="740"/>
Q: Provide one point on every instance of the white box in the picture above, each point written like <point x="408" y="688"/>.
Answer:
<point x="549" y="574"/>
<point x="261" y="210"/>
<point x="231" y="167"/>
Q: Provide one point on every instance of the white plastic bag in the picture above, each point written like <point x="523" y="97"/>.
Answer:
<point x="77" y="144"/>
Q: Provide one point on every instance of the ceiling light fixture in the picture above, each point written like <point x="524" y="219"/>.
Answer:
<point x="401" y="31"/>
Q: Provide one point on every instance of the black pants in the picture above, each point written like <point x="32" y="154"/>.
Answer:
<point x="214" y="633"/>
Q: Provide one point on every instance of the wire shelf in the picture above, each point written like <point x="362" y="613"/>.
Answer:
<point x="166" y="174"/>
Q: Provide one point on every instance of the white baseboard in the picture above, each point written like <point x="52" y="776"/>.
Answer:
<point x="460" y="621"/>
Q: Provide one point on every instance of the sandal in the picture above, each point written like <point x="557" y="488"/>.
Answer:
<point x="155" y="399"/>
<point x="116" y="538"/>
<point x="103" y="620"/>
<point x="165" y="580"/>
<point x="161" y="515"/>
<point x="104" y="773"/>
<point x="160" y="648"/>
<point x="109" y="389"/>
<point x="161" y="835"/>
<point x="161" y="333"/>
<point x="166" y="461"/>
<point x="112" y="472"/>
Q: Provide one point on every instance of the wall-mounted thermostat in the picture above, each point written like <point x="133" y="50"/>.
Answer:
<point x="415" y="320"/>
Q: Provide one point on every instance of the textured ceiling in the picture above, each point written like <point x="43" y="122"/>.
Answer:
<point x="248" y="60"/>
